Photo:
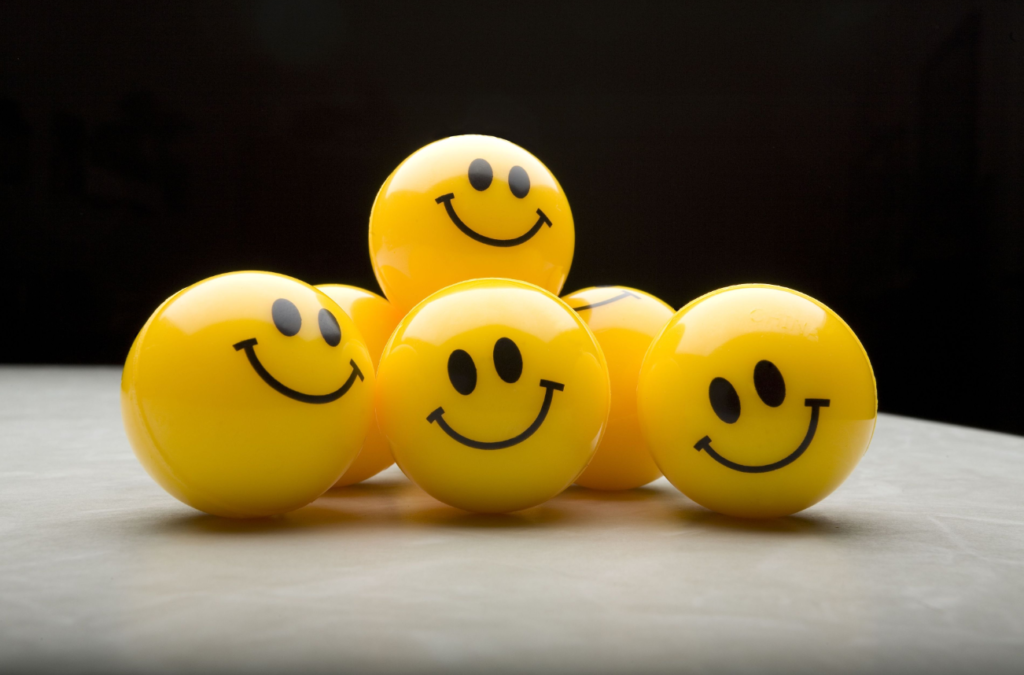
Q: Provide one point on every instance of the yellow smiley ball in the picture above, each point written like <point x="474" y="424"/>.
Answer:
<point x="376" y="319"/>
<point x="625" y="322"/>
<point x="468" y="207"/>
<point x="757" y="401"/>
<point x="247" y="394"/>
<point x="493" y="395"/>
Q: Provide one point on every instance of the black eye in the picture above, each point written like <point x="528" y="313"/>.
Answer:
<point x="480" y="174"/>
<point x="769" y="383"/>
<point x="462" y="372"/>
<point x="329" y="328"/>
<point x="518" y="181"/>
<point x="724" y="400"/>
<point x="507" y="360"/>
<point x="286" y="316"/>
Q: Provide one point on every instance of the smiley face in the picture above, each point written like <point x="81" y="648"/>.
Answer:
<point x="771" y="389"/>
<point x="508" y="363"/>
<point x="481" y="177"/>
<point x="493" y="395"/>
<point x="288" y="321"/>
<point x="469" y="207"/>
<point x="247" y="394"/>
<point x="757" y="401"/>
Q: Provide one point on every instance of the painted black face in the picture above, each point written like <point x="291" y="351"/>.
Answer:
<point x="481" y="175"/>
<point x="771" y="389"/>
<point x="615" y="298"/>
<point x="508" y="363"/>
<point x="288" y="320"/>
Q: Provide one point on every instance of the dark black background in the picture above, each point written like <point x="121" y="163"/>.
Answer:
<point x="869" y="154"/>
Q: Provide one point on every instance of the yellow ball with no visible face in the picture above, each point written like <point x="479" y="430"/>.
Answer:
<point x="469" y="207"/>
<point x="493" y="395"/>
<point x="624" y="321"/>
<point x="376" y="319"/>
<point x="247" y="394"/>
<point x="757" y="401"/>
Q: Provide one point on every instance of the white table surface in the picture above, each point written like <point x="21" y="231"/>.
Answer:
<point x="916" y="564"/>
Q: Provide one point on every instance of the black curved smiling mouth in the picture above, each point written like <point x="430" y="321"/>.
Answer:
<point x="438" y="416"/>
<point x="504" y="243"/>
<point x="815" y="404"/>
<point x="248" y="345"/>
<point x="621" y="296"/>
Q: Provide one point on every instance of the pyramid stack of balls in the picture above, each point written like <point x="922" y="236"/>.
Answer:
<point x="250" y="394"/>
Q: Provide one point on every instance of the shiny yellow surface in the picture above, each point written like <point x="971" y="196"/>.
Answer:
<point x="556" y="348"/>
<point x="417" y="248"/>
<point x="625" y="322"/>
<point x="726" y="334"/>
<point x="376" y="319"/>
<point x="211" y="430"/>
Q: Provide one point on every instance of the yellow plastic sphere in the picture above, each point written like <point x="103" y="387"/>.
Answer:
<point x="376" y="319"/>
<point x="493" y="395"/>
<point x="247" y="394"/>
<point x="757" y="401"/>
<point x="468" y="207"/>
<point x="624" y="321"/>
